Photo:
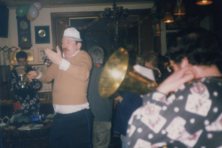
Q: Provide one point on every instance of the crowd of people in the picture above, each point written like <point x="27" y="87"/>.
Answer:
<point x="183" y="111"/>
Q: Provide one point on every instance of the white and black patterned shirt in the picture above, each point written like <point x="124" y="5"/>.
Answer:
<point x="190" y="117"/>
<point x="27" y="96"/>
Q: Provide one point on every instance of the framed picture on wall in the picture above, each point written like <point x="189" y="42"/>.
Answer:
<point x="24" y="33"/>
<point x="42" y="35"/>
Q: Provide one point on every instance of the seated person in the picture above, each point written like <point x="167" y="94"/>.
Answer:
<point x="23" y="88"/>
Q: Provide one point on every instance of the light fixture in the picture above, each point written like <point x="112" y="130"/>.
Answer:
<point x="168" y="18"/>
<point x="204" y="2"/>
<point x="116" y="12"/>
<point x="179" y="9"/>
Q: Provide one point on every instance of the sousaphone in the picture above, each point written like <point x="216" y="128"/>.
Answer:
<point x="117" y="75"/>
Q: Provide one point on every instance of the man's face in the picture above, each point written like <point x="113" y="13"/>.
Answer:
<point x="22" y="61"/>
<point x="70" y="46"/>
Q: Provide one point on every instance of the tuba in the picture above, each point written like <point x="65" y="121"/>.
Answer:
<point x="118" y="75"/>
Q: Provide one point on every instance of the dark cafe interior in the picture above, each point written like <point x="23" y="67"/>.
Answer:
<point x="124" y="32"/>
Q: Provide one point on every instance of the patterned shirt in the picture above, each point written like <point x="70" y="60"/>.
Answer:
<point x="190" y="117"/>
<point x="25" y="93"/>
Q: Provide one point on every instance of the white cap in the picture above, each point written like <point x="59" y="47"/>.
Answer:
<point x="72" y="33"/>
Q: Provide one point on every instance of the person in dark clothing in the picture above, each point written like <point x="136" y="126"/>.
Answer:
<point x="101" y="107"/>
<point x="130" y="101"/>
<point x="185" y="109"/>
<point x="24" y="88"/>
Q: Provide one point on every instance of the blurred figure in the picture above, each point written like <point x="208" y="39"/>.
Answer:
<point x="101" y="107"/>
<point x="126" y="103"/>
<point x="24" y="88"/>
<point x="159" y="64"/>
<point x="185" y="110"/>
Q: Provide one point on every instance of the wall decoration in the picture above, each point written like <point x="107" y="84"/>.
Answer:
<point x="24" y="33"/>
<point x="42" y="34"/>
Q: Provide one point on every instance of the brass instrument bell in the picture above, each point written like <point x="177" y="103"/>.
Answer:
<point x="116" y="75"/>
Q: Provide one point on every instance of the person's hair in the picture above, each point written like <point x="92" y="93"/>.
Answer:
<point x="198" y="45"/>
<point x="21" y="55"/>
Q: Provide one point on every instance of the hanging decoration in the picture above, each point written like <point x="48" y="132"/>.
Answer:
<point x="31" y="12"/>
<point x="168" y="18"/>
<point x="38" y="5"/>
<point x="179" y="9"/>
<point x="116" y="12"/>
<point x="22" y="10"/>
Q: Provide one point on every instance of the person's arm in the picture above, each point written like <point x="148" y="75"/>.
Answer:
<point x="14" y="82"/>
<point x="169" y="85"/>
<point x="175" y="80"/>
<point x="50" y="74"/>
<point x="79" y="69"/>
<point x="46" y="76"/>
<point x="35" y="85"/>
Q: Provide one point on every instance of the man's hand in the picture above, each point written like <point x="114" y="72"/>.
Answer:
<point x="55" y="57"/>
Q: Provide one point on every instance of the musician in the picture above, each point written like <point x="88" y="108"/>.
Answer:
<point x="72" y="124"/>
<point x="24" y="88"/>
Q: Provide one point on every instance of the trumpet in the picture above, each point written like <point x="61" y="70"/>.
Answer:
<point x="23" y="80"/>
<point x="46" y="60"/>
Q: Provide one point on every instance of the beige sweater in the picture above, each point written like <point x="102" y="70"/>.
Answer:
<point x="70" y="86"/>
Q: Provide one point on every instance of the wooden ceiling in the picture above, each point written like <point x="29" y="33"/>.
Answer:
<point x="161" y="6"/>
<point x="193" y="12"/>
<point x="57" y="3"/>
